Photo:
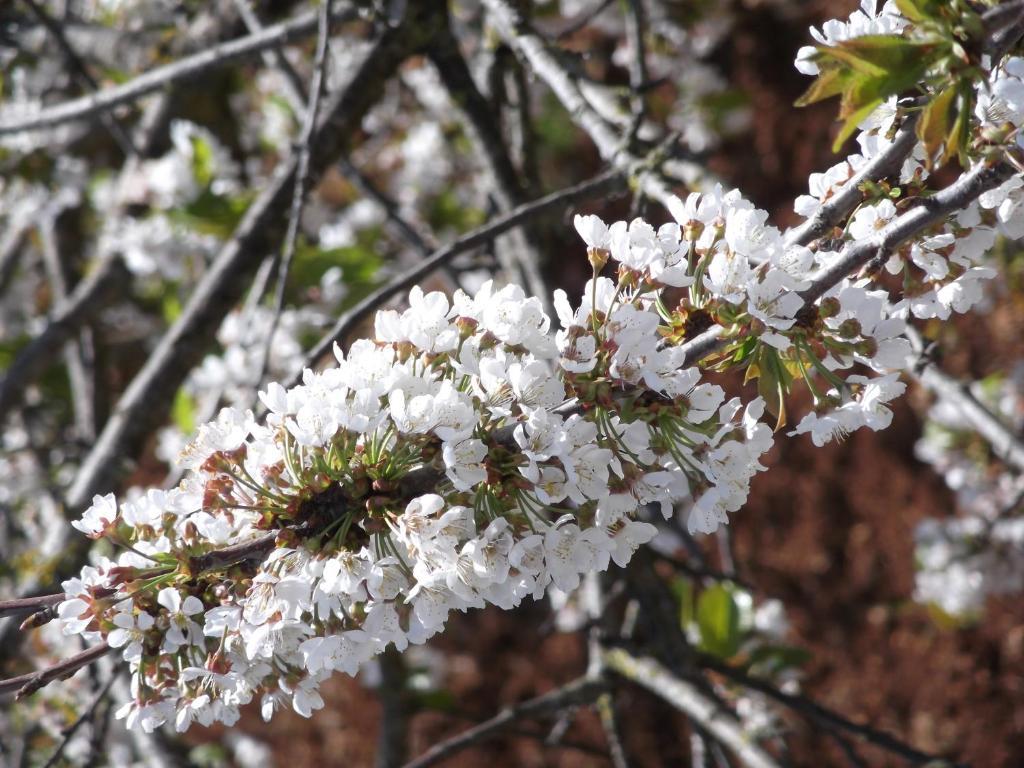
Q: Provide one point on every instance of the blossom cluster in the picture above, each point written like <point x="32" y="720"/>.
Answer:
<point x="980" y="552"/>
<point x="464" y="457"/>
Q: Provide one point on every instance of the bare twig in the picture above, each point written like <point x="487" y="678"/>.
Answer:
<point x="687" y="698"/>
<point x="183" y="69"/>
<point x="301" y="179"/>
<point x="27" y="684"/>
<point x="580" y="691"/>
<point x="25" y="605"/>
<point x="87" y="714"/>
<point x="822" y="715"/>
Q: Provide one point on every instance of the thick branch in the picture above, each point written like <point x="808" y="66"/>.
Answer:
<point x="837" y="208"/>
<point x="183" y="69"/>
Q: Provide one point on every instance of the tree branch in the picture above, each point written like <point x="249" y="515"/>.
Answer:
<point x="145" y="400"/>
<point x="583" y="690"/>
<point x="822" y="715"/>
<point x="687" y="698"/>
<point x="838" y="207"/>
<point x="26" y="685"/>
<point x="516" y="32"/>
<point x="91" y="296"/>
<point x="855" y="255"/>
<point x="183" y="69"/>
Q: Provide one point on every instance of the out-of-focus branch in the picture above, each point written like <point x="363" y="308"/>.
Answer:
<point x="302" y="151"/>
<point x="183" y="69"/>
<point x="1006" y="445"/>
<point x="822" y="715"/>
<point x="583" y="690"/>
<point x="523" y="262"/>
<point x="610" y="144"/>
<point x="90" y="297"/>
<point x="721" y="724"/>
<point x="27" y="684"/>
<point x="88" y="712"/>
<point x="81" y="72"/>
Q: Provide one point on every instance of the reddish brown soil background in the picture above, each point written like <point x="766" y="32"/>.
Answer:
<point x="829" y="532"/>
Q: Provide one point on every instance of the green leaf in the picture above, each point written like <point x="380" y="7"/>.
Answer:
<point x="718" y="619"/>
<point x="853" y="120"/>
<point x="212" y="214"/>
<point x="202" y="160"/>
<point x="933" y="128"/>
<point x="916" y="10"/>
<point x="183" y="412"/>
<point x="830" y="82"/>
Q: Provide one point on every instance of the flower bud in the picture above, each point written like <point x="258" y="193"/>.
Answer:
<point x="597" y="257"/>
<point x="849" y="329"/>
<point x="829" y="306"/>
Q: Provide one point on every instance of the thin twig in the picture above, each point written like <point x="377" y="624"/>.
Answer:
<point x="87" y="714"/>
<point x="301" y="180"/>
<point x="583" y="690"/>
<point x="822" y="715"/>
<point x="183" y="69"/>
<point x="27" y="684"/>
<point x="25" y="605"/>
